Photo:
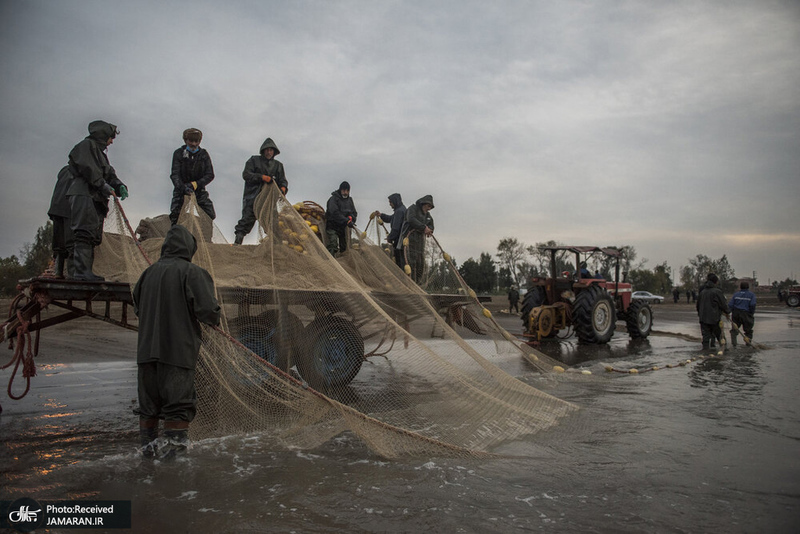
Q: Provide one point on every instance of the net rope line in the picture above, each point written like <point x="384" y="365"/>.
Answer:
<point x="511" y="407"/>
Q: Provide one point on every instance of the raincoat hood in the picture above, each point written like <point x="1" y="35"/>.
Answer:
<point x="179" y="243"/>
<point x="101" y="131"/>
<point x="427" y="199"/>
<point x="396" y="200"/>
<point x="268" y="143"/>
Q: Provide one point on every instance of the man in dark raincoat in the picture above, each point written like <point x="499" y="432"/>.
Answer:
<point x="258" y="171"/>
<point x="396" y="220"/>
<point x="711" y="304"/>
<point x="59" y="213"/>
<point x="172" y="297"/>
<point x="94" y="181"/>
<point x="513" y="299"/>
<point x="191" y="172"/>
<point x="340" y="216"/>
<point x="418" y="226"/>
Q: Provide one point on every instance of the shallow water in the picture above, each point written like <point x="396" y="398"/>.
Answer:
<point x="712" y="446"/>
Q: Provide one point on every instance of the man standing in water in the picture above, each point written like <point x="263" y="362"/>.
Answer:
<point x="710" y="306"/>
<point x="172" y="297"/>
<point x="743" y="306"/>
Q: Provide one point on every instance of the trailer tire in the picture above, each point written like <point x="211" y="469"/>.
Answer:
<point x="639" y="319"/>
<point x="594" y="315"/>
<point x="333" y="353"/>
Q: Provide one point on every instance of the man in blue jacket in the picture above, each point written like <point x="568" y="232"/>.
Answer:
<point x="743" y="306"/>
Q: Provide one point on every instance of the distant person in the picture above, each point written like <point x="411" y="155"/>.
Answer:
<point x="396" y="220"/>
<point x="743" y="309"/>
<point x="191" y="173"/>
<point x="172" y="297"/>
<point x="94" y="181"/>
<point x="340" y="216"/>
<point x="513" y="299"/>
<point x="417" y="227"/>
<point x="585" y="273"/>
<point x="62" y="233"/>
<point x="259" y="170"/>
<point x="688" y="296"/>
<point x="676" y="294"/>
<point x="711" y="305"/>
<point x="780" y="295"/>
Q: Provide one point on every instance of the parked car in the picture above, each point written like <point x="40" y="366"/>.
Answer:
<point x="647" y="297"/>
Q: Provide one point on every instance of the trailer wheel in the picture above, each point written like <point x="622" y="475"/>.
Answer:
<point x="639" y="319"/>
<point x="793" y="300"/>
<point x="333" y="353"/>
<point x="594" y="315"/>
<point x="272" y="335"/>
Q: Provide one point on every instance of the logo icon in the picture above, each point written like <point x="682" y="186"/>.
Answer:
<point x="25" y="515"/>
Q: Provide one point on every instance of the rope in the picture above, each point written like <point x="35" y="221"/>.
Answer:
<point x="130" y="228"/>
<point x="22" y="356"/>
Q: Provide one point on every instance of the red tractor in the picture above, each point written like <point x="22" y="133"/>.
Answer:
<point x="590" y="305"/>
<point x="793" y="296"/>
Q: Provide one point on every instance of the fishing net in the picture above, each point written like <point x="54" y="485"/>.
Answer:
<point x="311" y="346"/>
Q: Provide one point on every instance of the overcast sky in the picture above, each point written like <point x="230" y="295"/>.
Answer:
<point x="670" y="126"/>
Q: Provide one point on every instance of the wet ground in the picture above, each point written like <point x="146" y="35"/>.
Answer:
<point x="713" y="446"/>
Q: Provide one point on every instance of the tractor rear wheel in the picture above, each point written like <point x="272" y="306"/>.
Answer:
<point x="594" y="315"/>
<point x="793" y="300"/>
<point x="639" y="319"/>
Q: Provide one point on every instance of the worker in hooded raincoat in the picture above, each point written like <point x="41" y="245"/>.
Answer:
<point x="340" y="216"/>
<point x="94" y="181"/>
<point x="711" y="305"/>
<point x="395" y="220"/>
<point x="191" y="173"/>
<point x="62" y="233"/>
<point x="418" y="226"/>
<point x="172" y="297"/>
<point x="259" y="170"/>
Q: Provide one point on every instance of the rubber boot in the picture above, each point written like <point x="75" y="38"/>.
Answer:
<point x="148" y="438"/>
<point x="60" y="259"/>
<point x="733" y="337"/>
<point x="239" y="239"/>
<point x="82" y="260"/>
<point x="176" y="443"/>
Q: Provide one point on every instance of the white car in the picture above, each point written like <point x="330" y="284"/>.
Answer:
<point x="647" y="297"/>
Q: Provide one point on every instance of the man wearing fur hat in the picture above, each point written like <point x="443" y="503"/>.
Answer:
<point x="191" y="172"/>
<point x="340" y="216"/>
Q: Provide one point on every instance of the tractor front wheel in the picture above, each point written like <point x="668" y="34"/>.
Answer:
<point x="594" y="315"/>
<point x="639" y="319"/>
<point x="532" y="299"/>
<point x="793" y="300"/>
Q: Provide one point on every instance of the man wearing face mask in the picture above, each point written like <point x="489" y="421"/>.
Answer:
<point x="191" y="172"/>
<point x="94" y="181"/>
<point x="339" y="218"/>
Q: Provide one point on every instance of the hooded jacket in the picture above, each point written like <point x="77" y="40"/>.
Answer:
<point x="259" y="165"/>
<point x="416" y="221"/>
<point x="172" y="297"/>
<point x="397" y="218"/>
<point x="59" y="203"/>
<point x="711" y="304"/>
<point x="88" y="163"/>
<point x="338" y="210"/>
<point x="190" y="167"/>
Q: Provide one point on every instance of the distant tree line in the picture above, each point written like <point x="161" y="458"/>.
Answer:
<point x="32" y="261"/>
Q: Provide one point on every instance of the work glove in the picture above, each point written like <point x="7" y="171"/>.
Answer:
<point x="374" y="214"/>
<point x="283" y="190"/>
<point x="188" y="189"/>
<point x="107" y="190"/>
<point x="266" y="178"/>
<point x="350" y="221"/>
<point x="123" y="192"/>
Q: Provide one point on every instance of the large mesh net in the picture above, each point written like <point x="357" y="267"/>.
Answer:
<point x="311" y="346"/>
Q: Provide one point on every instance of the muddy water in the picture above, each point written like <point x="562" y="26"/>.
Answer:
<point x="710" y="447"/>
